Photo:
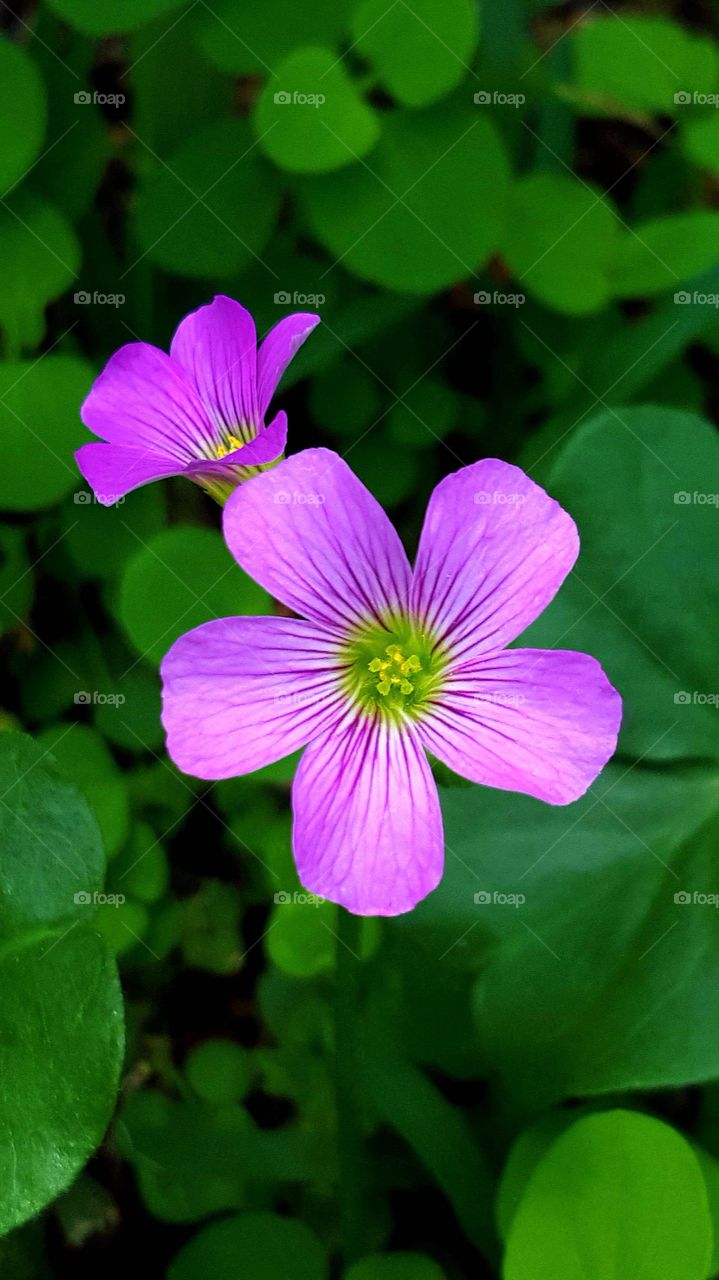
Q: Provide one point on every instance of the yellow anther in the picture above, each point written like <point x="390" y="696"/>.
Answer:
<point x="228" y="445"/>
<point x="390" y="678"/>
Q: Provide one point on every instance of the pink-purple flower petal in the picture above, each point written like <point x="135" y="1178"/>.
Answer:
<point x="367" y="823"/>
<point x="112" y="470"/>
<point x="277" y="350"/>
<point x="144" y="400"/>
<point x="494" y="550"/>
<point x="217" y="346"/>
<point x="543" y="722"/>
<point x="196" y="411"/>
<point x="240" y="693"/>
<point x="316" y="539"/>
<point x="266" y="447"/>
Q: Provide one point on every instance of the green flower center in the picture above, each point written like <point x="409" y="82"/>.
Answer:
<point x="394" y="669"/>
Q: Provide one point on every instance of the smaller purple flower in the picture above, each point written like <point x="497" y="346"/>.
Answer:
<point x="199" y="412"/>
<point x="386" y="664"/>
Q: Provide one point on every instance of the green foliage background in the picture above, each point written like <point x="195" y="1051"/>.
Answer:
<point x="507" y="216"/>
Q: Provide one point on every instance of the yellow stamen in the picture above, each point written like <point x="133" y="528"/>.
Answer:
<point x="394" y="670"/>
<point x="228" y="445"/>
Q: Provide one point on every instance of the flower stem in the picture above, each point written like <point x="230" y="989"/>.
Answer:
<point x="349" y="1133"/>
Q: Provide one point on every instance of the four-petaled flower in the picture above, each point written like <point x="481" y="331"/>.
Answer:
<point x="387" y="664"/>
<point x="199" y="412"/>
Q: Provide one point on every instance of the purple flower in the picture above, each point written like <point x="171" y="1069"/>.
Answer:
<point x="390" y="664"/>
<point x="199" y="412"/>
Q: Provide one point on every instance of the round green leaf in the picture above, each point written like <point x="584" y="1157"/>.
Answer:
<point x="528" y="1150"/>
<point x="211" y="207"/>
<point x="242" y="39"/>
<point x="22" y="101"/>
<point x="41" y="257"/>
<point x="122" y="925"/>
<point x="398" y="221"/>
<point x="183" y="576"/>
<point x="105" y="20"/>
<point x="82" y="756"/>
<point x="640" y="62"/>
<point x="56" y="677"/>
<point x="40" y="427"/>
<point x="70" y="175"/>
<point x="710" y="1168"/>
<point x="101" y="540"/>
<point x="310" y="118"/>
<point x="262" y="1245"/>
<point x="420" y="51"/>
<point x="60" y="1016"/>
<point x="301" y="941"/>
<point x="622" y="1177"/>
<point x="189" y="1158"/>
<point x="558" y="242"/>
<point x="700" y="140"/>
<point x="652" y="635"/>
<point x="591" y="966"/>
<point x="60" y="1057"/>
<point x="665" y="251"/>
<point x="219" y="1071"/>
<point x="50" y="841"/>
<point x="133" y="723"/>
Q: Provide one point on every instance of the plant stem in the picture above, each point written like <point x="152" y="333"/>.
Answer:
<point x="349" y="1097"/>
